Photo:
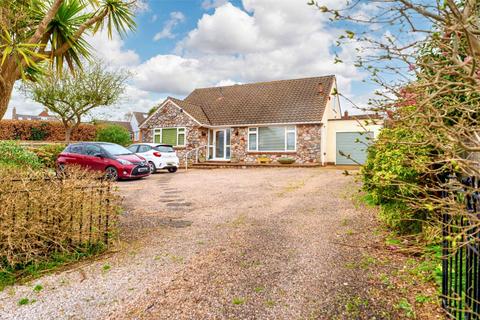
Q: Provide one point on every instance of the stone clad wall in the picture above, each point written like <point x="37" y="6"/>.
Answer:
<point x="308" y="146"/>
<point x="308" y="138"/>
<point x="171" y="116"/>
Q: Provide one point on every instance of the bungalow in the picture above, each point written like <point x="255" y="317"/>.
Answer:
<point x="256" y="122"/>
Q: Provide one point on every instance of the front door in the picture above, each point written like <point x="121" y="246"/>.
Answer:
<point x="220" y="144"/>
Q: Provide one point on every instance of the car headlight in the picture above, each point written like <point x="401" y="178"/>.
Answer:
<point x="124" y="162"/>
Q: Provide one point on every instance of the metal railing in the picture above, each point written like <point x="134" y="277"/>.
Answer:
<point x="461" y="257"/>
<point x="189" y="153"/>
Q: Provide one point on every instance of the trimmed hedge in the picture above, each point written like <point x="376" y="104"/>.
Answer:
<point x="114" y="134"/>
<point x="43" y="131"/>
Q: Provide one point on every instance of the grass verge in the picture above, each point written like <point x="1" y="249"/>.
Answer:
<point x="10" y="275"/>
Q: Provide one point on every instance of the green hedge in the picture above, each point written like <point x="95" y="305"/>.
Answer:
<point x="394" y="173"/>
<point x="14" y="155"/>
<point x="114" y="134"/>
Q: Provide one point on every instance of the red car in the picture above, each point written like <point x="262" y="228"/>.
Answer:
<point x="116" y="161"/>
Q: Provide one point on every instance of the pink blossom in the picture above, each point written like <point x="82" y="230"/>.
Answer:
<point x="467" y="59"/>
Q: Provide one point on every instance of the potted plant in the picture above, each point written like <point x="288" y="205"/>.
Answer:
<point x="264" y="159"/>
<point x="286" y="160"/>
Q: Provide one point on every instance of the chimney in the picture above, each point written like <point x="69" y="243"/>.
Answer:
<point x="14" y="113"/>
<point x="345" y="114"/>
<point x="320" y="88"/>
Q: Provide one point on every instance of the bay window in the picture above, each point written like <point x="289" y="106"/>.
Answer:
<point x="171" y="136"/>
<point x="280" y="138"/>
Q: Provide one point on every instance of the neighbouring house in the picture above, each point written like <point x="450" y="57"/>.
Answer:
<point x="44" y="116"/>
<point x="136" y="119"/>
<point x="259" y="122"/>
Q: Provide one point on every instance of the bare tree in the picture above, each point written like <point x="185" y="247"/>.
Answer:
<point x="72" y="97"/>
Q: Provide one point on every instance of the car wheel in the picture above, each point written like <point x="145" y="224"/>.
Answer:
<point x="153" y="169"/>
<point x="111" y="174"/>
<point x="172" y="170"/>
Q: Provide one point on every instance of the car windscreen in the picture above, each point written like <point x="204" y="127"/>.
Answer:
<point x="164" y="149"/>
<point x="116" y="150"/>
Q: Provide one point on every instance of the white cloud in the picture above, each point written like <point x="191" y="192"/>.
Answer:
<point x="169" y="74"/>
<point x="229" y="30"/>
<point x="154" y="18"/>
<point x="176" y="18"/>
<point x="272" y="39"/>
<point x="211" y="4"/>
<point x="112" y="50"/>
<point x="267" y="40"/>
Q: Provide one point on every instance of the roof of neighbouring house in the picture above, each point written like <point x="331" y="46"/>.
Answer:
<point x="44" y="113"/>
<point x="125" y="124"/>
<point x="282" y="101"/>
<point x="140" y="116"/>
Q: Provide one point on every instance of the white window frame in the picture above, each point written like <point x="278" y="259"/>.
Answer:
<point x="159" y="131"/>
<point x="255" y="131"/>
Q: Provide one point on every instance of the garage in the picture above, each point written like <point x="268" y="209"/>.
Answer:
<point x="354" y="145"/>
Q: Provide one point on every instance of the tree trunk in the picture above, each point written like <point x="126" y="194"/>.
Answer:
<point x="68" y="133"/>
<point x="5" y="95"/>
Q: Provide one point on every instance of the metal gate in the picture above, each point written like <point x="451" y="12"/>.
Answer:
<point x="461" y="257"/>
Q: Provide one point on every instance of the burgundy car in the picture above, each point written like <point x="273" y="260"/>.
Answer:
<point x="116" y="161"/>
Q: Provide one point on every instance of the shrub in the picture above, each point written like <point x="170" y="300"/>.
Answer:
<point x="114" y="133"/>
<point x="14" y="155"/>
<point x="48" y="154"/>
<point x="43" y="130"/>
<point x="394" y="173"/>
<point x="43" y="217"/>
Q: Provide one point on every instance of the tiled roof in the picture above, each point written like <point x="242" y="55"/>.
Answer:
<point x="140" y="117"/>
<point x="125" y="124"/>
<point x="283" y="101"/>
<point x="193" y="110"/>
<point x="44" y="113"/>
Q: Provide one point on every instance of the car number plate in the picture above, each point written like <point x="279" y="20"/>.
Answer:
<point x="142" y="169"/>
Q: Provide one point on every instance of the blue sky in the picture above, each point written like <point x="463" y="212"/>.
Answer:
<point x="180" y="45"/>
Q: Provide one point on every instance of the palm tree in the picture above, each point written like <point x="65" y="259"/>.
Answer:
<point x="37" y="32"/>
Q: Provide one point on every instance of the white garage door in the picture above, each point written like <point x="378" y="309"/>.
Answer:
<point x="353" y="144"/>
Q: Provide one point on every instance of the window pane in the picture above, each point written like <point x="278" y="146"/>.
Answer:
<point x="92" y="150"/>
<point x="169" y="136"/>
<point x="144" y="148"/>
<point x="181" y="139"/>
<point x="228" y="137"/>
<point x="290" y="140"/>
<point x="164" y="149"/>
<point x="133" y="148"/>
<point x="252" y="142"/>
<point x="211" y="136"/>
<point x="271" y="138"/>
<point x="227" y="154"/>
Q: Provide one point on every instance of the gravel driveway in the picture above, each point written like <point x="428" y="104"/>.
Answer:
<point x="213" y="244"/>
